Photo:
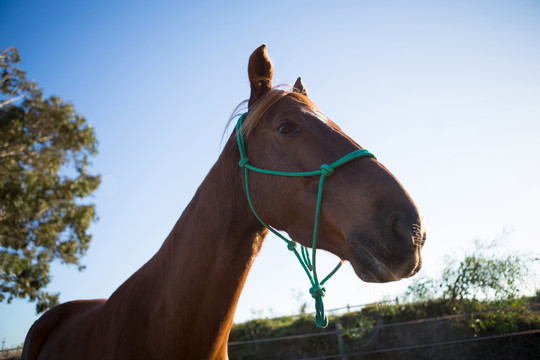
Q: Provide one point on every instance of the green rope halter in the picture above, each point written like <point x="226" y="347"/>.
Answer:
<point x="317" y="290"/>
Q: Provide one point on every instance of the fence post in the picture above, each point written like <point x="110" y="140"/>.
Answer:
<point x="341" y="344"/>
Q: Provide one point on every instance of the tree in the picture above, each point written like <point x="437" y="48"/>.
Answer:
<point x="485" y="272"/>
<point x="45" y="148"/>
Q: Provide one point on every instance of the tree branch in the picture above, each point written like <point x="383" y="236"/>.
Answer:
<point x="4" y="153"/>
<point x="9" y="101"/>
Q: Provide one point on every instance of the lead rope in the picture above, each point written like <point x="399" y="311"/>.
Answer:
<point x="317" y="289"/>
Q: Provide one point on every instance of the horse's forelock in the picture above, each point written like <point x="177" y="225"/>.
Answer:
<point x="259" y="108"/>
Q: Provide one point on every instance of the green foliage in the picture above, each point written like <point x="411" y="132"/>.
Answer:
<point x="362" y="325"/>
<point x="279" y="327"/>
<point x="45" y="147"/>
<point x="485" y="273"/>
<point x="379" y="327"/>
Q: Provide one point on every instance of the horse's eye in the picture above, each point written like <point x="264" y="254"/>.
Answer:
<point x="286" y="129"/>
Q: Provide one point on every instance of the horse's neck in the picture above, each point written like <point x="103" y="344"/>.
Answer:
<point x="190" y="288"/>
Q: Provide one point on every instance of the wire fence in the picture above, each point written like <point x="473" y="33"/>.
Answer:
<point x="420" y="346"/>
<point x="348" y="308"/>
<point x="344" y="355"/>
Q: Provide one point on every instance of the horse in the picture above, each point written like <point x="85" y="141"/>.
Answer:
<point x="181" y="303"/>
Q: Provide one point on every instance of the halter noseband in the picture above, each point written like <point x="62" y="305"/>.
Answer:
<point x="317" y="290"/>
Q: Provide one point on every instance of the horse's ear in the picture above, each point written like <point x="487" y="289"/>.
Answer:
<point x="299" y="87"/>
<point x="260" y="73"/>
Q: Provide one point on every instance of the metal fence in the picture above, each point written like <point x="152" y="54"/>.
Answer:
<point x="343" y="355"/>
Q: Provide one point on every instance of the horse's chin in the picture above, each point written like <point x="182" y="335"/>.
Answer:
<point x="370" y="267"/>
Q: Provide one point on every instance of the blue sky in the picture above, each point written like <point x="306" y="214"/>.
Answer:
<point x="446" y="94"/>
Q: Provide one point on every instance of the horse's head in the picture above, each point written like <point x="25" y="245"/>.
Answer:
<point x="367" y="218"/>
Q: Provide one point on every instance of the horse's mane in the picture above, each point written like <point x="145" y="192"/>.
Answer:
<point x="259" y="108"/>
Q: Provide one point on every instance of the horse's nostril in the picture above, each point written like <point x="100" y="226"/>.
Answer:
<point x="396" y="224"/>
<point x="404" y="231"/>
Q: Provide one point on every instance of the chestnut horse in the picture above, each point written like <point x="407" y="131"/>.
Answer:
<point x="181" y="303"/>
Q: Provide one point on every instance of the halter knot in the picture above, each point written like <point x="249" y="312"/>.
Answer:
<point x="243" y="162"/>
<point x="327" y="170"/>
<point x="317" y="291"/>
<point x="291" y="245"/>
